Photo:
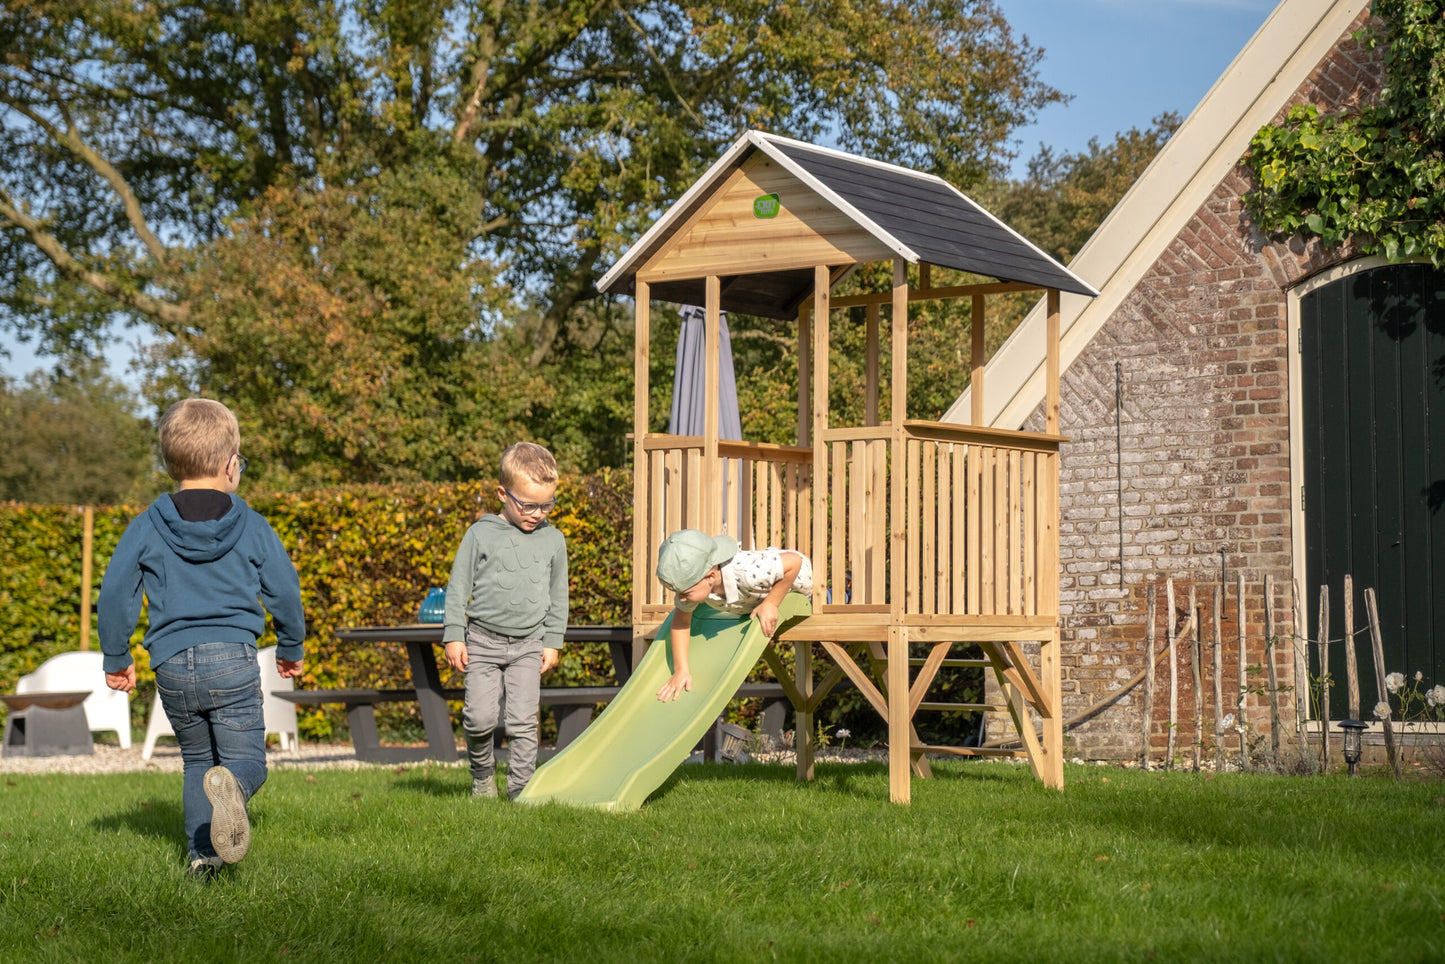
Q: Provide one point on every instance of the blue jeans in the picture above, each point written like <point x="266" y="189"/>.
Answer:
<point x="212" y="695"/>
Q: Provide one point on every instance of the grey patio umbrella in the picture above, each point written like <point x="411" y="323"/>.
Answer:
<point x="688" y="406"/>
<point x="687" y="379"/>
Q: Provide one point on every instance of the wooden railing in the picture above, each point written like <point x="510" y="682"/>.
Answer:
<point x="767" y="497"/>
<point x="978" y="525"/>
<point x="979" y="519"/>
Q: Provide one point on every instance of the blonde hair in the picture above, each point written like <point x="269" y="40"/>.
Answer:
<point x="527" y="459"/>
<point x="197" y="437"/>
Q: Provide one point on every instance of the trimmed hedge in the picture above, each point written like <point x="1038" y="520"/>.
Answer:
<point x="366" y="556"/>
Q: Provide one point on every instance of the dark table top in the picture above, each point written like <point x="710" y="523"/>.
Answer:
<point x="432" y="633"/>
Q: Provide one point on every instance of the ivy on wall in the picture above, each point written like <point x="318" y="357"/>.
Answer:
<point x="1374" y="178"/>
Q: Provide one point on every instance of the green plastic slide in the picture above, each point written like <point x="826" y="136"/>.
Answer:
<point x="636" y="742"/>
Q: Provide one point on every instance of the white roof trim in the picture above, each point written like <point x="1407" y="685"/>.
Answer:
<point x="1212" y="139"/>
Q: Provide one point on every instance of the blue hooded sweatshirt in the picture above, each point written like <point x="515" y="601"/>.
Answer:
<point x="204" y="582"/>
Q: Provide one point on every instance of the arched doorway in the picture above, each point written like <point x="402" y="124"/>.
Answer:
<point x="1371" y="344"/>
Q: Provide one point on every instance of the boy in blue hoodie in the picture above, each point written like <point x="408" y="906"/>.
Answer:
<point x="204" y="563"/>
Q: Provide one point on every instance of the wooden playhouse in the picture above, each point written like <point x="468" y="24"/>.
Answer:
<point x="950" y="532"/>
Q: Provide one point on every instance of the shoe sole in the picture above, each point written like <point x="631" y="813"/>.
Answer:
<point x="230" y="829"/>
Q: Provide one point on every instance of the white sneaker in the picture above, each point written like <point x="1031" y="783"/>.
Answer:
<point x="484" y="787"/>
<point x="205" y="868"/>
<point x="230" y="829"/>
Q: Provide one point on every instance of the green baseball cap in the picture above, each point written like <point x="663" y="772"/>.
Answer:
<point x="687" y="555"/>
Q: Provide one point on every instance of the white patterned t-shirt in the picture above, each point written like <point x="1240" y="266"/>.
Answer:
<point x="748" y="577"/>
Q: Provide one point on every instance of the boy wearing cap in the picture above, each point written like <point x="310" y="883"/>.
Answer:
<point x="700" y="568"/>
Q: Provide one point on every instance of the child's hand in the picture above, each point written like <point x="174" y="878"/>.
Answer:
<point x="456" y="653"/>
<point x="123" y="681"/>
<point x="288" y="668"/>
<point x="550" y="657"/>
<point x="767" y="616"/>
<point x="674" y="687"/>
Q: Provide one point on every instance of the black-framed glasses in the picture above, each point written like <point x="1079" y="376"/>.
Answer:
<point x="240" y="463"/>
<point x="527" y="508"/>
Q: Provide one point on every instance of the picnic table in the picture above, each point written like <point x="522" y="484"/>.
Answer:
<point x="421" y="639"/>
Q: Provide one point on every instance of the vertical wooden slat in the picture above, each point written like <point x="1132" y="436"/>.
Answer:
<point x="1000" y="532"/>
<point x="746" y="513"/>
<point x="943" y="545"/>
<point x="775" y="505"/>
<point x="960" y="529"/>
<point x="1015" y="535"/>
<point x="974" y="547"/>
<point x="693" y="482"/>
<point x="1032" y="511"/>
<point x="838" y="550"/>
<point x="910" y="485"/>
<point x="878" y="531"/>
<point x="928" y="527"/>
<point x="657" y="520"/>
<point x="860" y="495"/>
<point x="805" y="510"/>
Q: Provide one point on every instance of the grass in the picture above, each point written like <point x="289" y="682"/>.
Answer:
<point x="738" y="863"/>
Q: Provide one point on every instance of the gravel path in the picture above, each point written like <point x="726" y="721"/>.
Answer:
<point x="109" y="758"/>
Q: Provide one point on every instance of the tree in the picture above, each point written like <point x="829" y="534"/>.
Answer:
<point x="1373" y="177"/>
<point x="146" y="146"/>
<point x="74" y="440"/>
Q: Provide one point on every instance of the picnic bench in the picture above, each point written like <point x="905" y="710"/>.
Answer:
<point x="573" y="704"/>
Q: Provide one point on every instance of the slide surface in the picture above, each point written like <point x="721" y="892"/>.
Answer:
<point x="636" y="742"/>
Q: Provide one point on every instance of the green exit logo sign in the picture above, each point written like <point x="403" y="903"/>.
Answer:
<point x="766" y="206"/>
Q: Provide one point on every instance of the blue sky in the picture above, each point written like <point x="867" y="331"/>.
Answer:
<point x="1124" y="61"/>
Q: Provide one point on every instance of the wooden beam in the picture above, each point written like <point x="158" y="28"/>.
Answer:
<point x="870" y="398"/>
<point x="711" y="466"/>
<point x="805" y="374"/>
<point x="821" y="293"/>
<point x="975" y="378"/>
<point x="641" y="567"/>
<point x="937" y="294"/>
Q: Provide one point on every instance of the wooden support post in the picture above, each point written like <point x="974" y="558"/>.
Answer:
<point x="803" y="726"/>
<point x="1051" y="682"/>
<point x="976" y="373"/>
<point x="1051" y="397"/>
<point x="1299" y="649"/>
<point x="1377" y="647"/>
<point x="712" y="514"/>
<point x="641" y="565"/>
<point x="899" y="750"/>
<point x="805" y="374"/>
<point x="1147" y="714"/>
<point x="870" y="365"/>
<point x="822" y="508"/>
<point x="87" y="553"/>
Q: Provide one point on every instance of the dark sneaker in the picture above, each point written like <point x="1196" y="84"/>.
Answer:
<point x="205" y="869"/>
<point x="484" y="787"/>
<point x="230" y="830"/>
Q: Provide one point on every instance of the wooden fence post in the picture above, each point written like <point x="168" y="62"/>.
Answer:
<point x="1269" y="655"/>
<point x="87" y="550"/>
<point x="1377" y="647"/>
<point x="1352" y="666"/>
<point x="1299" y="649"/>
<point x="1173" y="675"/>
<point x="1243" y="674"/>
<point x="1148" y="708"/>
<point x="1324" y="646"/>
<point x="1218" y="684"/>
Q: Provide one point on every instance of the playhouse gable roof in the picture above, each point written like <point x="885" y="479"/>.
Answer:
<point x="833" y="208"/>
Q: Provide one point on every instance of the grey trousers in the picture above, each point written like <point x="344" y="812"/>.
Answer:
<point x="504" y="676"/>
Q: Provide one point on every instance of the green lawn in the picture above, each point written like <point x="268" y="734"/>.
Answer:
<point x="738" y="863"/>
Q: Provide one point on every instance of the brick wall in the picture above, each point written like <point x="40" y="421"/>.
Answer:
<point x="1201" y="452"/>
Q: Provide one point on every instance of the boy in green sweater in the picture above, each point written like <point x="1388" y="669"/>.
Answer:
<point x="506" y="613"/>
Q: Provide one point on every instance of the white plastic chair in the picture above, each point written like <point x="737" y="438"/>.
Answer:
<point x="105" y="709"/>
<point x="280" y="715"/>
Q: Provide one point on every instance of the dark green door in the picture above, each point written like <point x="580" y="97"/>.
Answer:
<point x="1372" y="350"/>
